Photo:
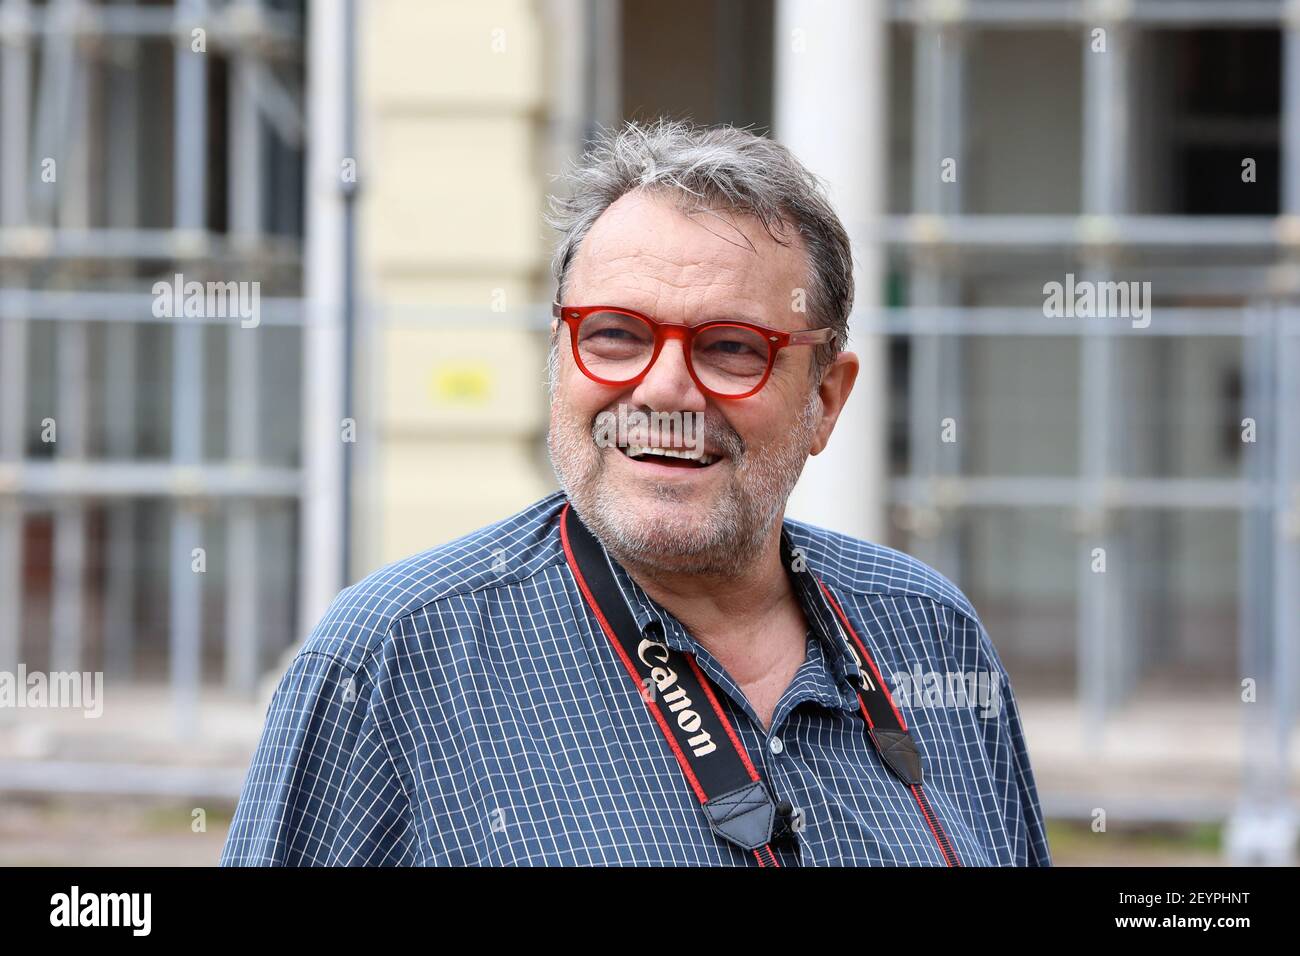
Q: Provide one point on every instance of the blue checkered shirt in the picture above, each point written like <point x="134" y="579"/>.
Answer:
<point x="463" y="707"/>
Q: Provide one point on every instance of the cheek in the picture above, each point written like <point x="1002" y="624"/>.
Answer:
<point x="773" y="424"/>
<point x="578" y="398"/>
<point x="753" y="423"/>
<point x="571" y="388"/>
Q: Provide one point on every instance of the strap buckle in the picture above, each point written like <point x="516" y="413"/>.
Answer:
<point x="743" y="816"/>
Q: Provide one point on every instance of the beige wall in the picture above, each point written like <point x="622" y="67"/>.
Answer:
<point x="452" y="254"/>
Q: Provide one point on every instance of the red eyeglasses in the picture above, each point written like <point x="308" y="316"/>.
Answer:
<point x="616" y="347"/>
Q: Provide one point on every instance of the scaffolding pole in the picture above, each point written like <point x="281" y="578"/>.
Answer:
<point x="15" y="83"/>
<point x="65" y="121"/>
<point x="123" y="200"/>
<point x="186" y="611"/>
<point x="935" y="376"/>
<point x="1025" y="14"/>
<point x="1265" y="826"/>
<point x="243" y="634"/>
<point x="1100" y="638"/>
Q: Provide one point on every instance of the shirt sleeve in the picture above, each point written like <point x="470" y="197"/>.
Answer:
<point x="1004" y="740"/>
<point x="322" y="789"/>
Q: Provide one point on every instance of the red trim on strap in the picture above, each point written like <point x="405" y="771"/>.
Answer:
<point x="945" y="844"/>
<point x="936" y="828"/>
<point x="717" y="709"/>
<point x="627" y="664"/>
<point x="866" y="654"/>
<point x="866" y="714"/>
<point x="758" y="854"/>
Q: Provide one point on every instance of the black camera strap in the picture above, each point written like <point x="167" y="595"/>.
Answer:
<point x="681" y="699"/>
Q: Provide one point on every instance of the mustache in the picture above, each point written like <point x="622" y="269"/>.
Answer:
<point x="718" y="434"/>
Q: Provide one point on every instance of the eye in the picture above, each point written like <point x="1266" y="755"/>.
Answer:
<point x="614" y="329"/>
<point x="731" y="346"/>
<point x="733" y="350"/>
<point x="612" y="334"/>
<point x="731" y="343"/>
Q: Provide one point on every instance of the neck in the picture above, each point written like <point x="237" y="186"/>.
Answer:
<point x="731" y="614"/>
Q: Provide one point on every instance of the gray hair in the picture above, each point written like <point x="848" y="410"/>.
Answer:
<point x="732" y="167"/>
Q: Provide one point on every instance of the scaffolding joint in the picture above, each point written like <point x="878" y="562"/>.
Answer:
<point x="943" y="11"/>
<point x="1110" y="11"/>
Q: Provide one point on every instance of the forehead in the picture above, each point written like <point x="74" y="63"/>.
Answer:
<point x="646" y="252"/>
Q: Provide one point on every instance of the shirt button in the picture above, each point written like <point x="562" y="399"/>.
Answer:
<point x="775" y="745"/>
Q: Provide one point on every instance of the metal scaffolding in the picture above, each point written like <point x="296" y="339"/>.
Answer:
<point x="1103" y="238"/>
<point x="79" y="260"/>
<point x="80" y="252"/>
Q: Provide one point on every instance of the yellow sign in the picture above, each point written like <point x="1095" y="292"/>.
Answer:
<point x="463" y="383"/>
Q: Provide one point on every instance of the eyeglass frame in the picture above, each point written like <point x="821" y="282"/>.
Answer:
<point x="776" y="340"/>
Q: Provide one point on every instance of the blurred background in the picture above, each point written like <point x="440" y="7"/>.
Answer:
<point x="182" y="494"/>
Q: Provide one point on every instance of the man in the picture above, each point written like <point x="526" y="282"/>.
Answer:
<point x="652" y="666"/>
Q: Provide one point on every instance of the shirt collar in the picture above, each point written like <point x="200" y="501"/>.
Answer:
<point x="823" y="625"/>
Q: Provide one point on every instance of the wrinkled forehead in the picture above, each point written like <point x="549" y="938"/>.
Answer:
<point x="663" y="252"/>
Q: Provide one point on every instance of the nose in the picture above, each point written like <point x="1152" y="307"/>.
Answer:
<point x="668" y="385"/>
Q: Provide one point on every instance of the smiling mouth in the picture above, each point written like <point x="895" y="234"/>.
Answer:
<point x="670" y="457"/>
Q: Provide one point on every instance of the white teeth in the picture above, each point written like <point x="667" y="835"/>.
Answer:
<point x="636" y="451"/>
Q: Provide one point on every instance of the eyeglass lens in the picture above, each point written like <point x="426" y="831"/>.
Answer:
<point x="728" y="359"/>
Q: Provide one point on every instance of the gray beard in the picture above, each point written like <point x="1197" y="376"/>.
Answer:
<point x="723" y="543"/>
